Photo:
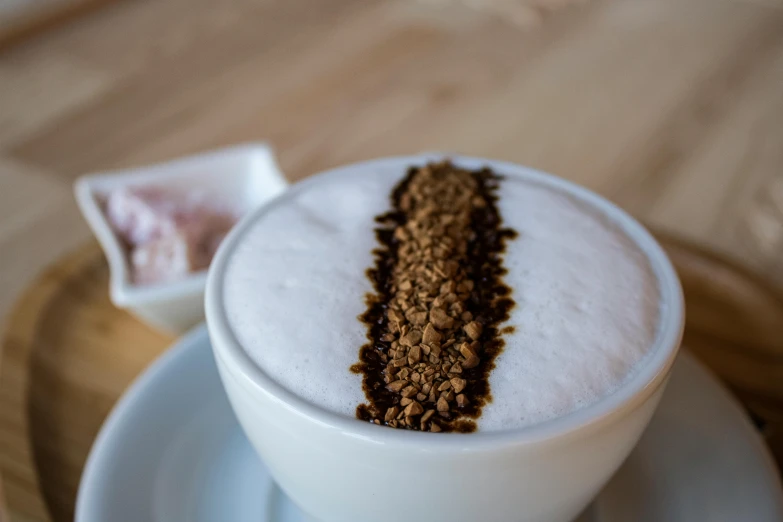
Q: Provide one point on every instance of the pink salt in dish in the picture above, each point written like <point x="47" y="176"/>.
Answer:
<point x="230" y="181"/>
<point x="168" y="234"/>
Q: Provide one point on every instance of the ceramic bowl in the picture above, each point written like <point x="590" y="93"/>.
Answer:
<point x="242" y="177"/>
<point x="340" y="469"/>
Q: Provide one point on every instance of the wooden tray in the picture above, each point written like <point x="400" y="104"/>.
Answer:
<point x="68" y="354"/>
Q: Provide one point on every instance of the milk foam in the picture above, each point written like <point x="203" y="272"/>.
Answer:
<point x="587" y="308"/>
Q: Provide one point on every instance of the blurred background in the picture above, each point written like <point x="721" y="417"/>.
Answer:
<point x="671" y="108"/>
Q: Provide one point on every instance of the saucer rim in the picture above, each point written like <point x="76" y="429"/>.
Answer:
<point x="99" y="462"/>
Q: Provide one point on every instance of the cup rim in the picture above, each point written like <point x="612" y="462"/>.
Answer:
<point x="630" y="395"/>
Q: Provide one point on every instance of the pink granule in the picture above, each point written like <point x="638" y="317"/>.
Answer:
<point x="168" y="235"/>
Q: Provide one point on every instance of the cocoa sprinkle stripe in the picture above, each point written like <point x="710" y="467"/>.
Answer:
<point x="434" y="319"/>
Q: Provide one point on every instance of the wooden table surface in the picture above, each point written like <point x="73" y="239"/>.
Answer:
<point x="671" y="108"/>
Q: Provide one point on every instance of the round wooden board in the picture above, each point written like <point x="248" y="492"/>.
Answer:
<point x="68" y="354"/>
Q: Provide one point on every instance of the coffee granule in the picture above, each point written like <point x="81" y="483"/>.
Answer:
<point x="433" y="321"/>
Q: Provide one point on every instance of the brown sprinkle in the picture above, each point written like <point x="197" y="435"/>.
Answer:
<point x="395" y="316"/>
<point x="431" y="335"/>
<point x="411" y="338"/>
<point x="471" y="362"/>
<point x="466" y="350"/>
<point x="391" y="413"/>
<point x="417" y="318"/>
<point x="458" y="384"/>
<point x="440" y="318"/>
<point x="433" y="330"/>
<point x="413" y="409"/>
<point x="473" y="329"/>
<point x="396" y="386"/>
<point x="410" y="391"/>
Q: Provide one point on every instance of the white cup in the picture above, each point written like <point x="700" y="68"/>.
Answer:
<point x="340" y="469"/>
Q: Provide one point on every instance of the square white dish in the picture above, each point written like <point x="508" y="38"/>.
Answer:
<point x="242" y="177"/>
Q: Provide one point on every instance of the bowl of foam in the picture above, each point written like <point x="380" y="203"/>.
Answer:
<point x="594" y="333"/>
<point x="159" y="225"/>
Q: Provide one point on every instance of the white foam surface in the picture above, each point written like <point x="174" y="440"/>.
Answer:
<point x="587" y="300"/>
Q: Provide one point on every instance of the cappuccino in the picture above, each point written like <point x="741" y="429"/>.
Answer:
<point x="581" y="303"/>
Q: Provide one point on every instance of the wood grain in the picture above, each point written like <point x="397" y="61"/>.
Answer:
<point x="671" y="108"/>
<point x="67" y="357"/>
<point x="20" y="19"/>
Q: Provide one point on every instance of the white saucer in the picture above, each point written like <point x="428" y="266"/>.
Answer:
<point x="172" y="451"/>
